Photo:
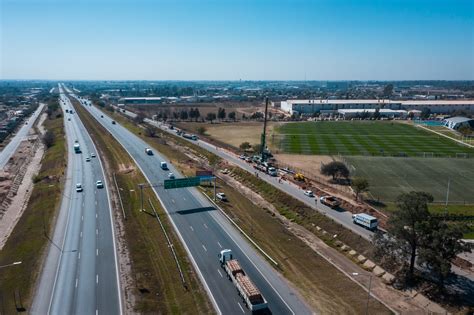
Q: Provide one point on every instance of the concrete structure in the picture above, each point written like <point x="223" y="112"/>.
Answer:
<point x="308" y="107"/>
<point x="140" y="101"/>
<point x="388" y="113"/>
<point x="457" y="122"/>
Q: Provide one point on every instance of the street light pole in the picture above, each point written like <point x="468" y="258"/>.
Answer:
<point x="368" y="291"/>
<point x="12" y="264"/>
<point x="141" y="196"/>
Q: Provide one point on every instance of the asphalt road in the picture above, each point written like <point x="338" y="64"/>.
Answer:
<point x="340" y="215"/>
<point x="204" y="232"/>
<point x="80" y="272"/>
<point x="11" y="147"/>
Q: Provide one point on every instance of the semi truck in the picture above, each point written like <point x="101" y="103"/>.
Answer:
<point x="365" y="220"/>
<point x="251" y="296"/>
<point x="77" y="148"/>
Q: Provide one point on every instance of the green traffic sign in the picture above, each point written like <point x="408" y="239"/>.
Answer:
<point x="182" y="182"/>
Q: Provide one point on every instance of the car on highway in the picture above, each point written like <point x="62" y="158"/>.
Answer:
<point x="93" y="155"/>
<point x="99" y="184"/>
<point x="88" y="159"/>
<point x="101" y="116"/>
<point x="309" y="193"/>
<point x="242" y="157"/>
<point x="69" y="119"/>
<point x="221" y="196"/>
<point x="78" y="187"/>
<point x="248" y="159"/>
<point x="164" y="166"/>
<point x="148" y="151"/>
<point x="171" y="176"/>
<point x="113" y="122"/>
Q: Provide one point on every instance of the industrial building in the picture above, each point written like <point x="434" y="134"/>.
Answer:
<point x="308" y="107"/>
<point x="457" y="122"/>
<point x="387" y="113"/>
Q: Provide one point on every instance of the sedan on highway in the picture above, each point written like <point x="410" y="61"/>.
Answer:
<point x="79" y="187"/>
<point x="93" y="155"/>
<point x="171" y="176"/>
<point x="309" y="193"/>
<point x="99" y="184"/>
<point x="88" y="159"/>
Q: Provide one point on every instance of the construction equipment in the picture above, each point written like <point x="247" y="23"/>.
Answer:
<point x="299" y="177"/>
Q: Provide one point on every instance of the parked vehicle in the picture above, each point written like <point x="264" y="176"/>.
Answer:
<point x="164" y="166"/>
<point x="365" y="220"/>
<point x="272" y="171"/>
<point x="330" y="201"/>
<point x="148" y="151"/>
<point x="221" y="196"/>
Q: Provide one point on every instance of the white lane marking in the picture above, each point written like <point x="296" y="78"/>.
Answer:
<point x="172" y="200"/>
<point x="96" y="202"/>
<point x="76" y="282"/>
<point x="95" y="192"/>
<point x="241" y="307"/>
<point x="96" y="278"/>
<point x="204" y="247"/>
<point x="220" y="273"/>
<point x="219" y="244"/>
<point x="82" y="218"/>
<point x="96" y="312"/>
<point x="205" y="226"/>
<point x="184" y="199"/>
<point x="97" y="252"/>
<point x="83" y="203"/>
<point x="96" y="215"/>
<point x="96" y="231"/>
<point x="191" y="228"/>
<point x="81" y="234"/>
<point x="79" y="256"/>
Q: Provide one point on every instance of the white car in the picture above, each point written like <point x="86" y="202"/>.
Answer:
<point x="78" y="187"/>
<point x="93" y="155"/>
<point x="88" y="159"/>
<point x="99" y="184"/>
<point x="171" y="176"/>
<point x="309" y="193"/>
<point x="242" y="157"/>
<point x="221" y="196"/>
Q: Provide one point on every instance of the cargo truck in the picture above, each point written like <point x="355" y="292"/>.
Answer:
<point x="365" y="220"/>
<point x="77" y="148"/>
<point x="330" y="201"/>
<point x="252" y="297"/>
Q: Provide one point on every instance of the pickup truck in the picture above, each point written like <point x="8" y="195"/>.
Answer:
<point x="330" y="201"/>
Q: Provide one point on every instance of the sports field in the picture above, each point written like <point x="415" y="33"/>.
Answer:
<point x="385" y="138"/>
<point x="390" y="176"/>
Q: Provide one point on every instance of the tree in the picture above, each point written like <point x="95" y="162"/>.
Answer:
<point x="197" y="114"/>
<point x="211" y="117"/>
<point x="221" y="113"/>
<point x="257" y="148"/>
<point x="139" y="118"/>
<point x="232" y="116"/>
<point x="201" y="130"/>
<point x="183" y="115"/>
<point x="359" y="185"/>
<point x="245" y="146"/>
<point x="465" y="130"/>
<point x="440" y="244"/>
<point x="406" y="224"/>
<point x="175" y="115"/>
<point x="151" y="131"/>
<point x="376" y="114"/>
<point x="49" y="138"/>
<point x="335" y="169"/>
<point x="425" y="113"/>
<point x="388" y="90"/>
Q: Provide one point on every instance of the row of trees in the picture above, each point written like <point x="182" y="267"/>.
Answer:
<point x="195" y="114"/>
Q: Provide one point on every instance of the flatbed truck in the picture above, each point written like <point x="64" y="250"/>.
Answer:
<point x="250" y="294"/>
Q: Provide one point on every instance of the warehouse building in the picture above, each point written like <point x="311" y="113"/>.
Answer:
<point x="457" y="122"/>
<point x="387" y="113"/>
<point x="308" y="107"/>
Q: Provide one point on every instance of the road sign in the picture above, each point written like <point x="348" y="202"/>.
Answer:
<point x="182" y="182"/>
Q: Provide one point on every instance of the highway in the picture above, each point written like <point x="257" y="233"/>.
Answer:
<point x="11" y="147"/>
<point x="204" y="231"/>
<point x="80" y="272"/>
<point x="340" y="216"/>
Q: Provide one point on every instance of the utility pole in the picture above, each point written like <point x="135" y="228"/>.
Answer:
<point x="215" y="178"/>
<point x="447" y="198"/>
<point x="141" y="196"/>
<point x="262" y="149"/>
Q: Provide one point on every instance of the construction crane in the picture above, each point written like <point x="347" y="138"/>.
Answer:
<point x="263" y="138"/>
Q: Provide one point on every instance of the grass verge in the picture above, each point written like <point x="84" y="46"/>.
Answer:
<point x="27" y="242"/>
<point x="156" y="285"/>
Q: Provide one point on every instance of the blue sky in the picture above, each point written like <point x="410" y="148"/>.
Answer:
<point x="237" y="39"/>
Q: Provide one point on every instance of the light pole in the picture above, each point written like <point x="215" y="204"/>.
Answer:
<point x="368" y="295"/>
<point x="12" y="264"/>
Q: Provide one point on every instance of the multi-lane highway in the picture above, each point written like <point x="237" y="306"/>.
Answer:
<point x="80" y="272"/>
<point x="15" y="141"/>
<point x="204" y="232"/>
<point x="343" y="217"/>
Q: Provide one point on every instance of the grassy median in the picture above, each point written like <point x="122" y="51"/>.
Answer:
<point x="28" y="242"/>
<point x="156" y="285"/>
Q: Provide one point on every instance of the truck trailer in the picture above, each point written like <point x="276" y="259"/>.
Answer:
<point x="250" y="294"/>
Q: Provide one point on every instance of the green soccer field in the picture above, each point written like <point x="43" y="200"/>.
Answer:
<point x="385" y="138"/>
<point x="390" y="176"/>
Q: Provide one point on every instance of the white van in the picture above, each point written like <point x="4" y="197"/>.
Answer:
<point x="164" y="166"/>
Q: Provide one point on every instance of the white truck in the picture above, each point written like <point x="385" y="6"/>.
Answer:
<point x="252" y="297"/>
<point x="77" y="147"/>
<point x="365" y="220"/>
